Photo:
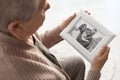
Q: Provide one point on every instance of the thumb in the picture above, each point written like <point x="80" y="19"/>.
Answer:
<point x="67" y="21"/>
<point x="70" y="18"/>
<point x="102" y="51"/>
<point x="106" y="53"/>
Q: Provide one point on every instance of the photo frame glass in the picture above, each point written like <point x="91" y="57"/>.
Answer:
<point x="87" y="35"/>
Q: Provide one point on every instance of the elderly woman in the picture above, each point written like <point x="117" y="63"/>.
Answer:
<point x="24" y="55"/>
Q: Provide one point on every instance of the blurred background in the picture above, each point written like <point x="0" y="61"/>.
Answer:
<point x="105" y="11"/>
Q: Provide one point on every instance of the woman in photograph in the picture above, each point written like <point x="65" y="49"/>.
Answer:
<point x="78" y="32"/>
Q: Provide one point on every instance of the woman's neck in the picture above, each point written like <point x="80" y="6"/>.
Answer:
<point x="26" y="38"/>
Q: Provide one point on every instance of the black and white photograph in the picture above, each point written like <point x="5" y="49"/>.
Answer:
<point x="87" y="35"/>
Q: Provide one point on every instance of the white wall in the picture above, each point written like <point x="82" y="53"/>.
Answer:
<point x="105" y="11"/>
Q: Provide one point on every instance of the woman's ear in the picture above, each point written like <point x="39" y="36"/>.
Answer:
<point x="14" y="27"/>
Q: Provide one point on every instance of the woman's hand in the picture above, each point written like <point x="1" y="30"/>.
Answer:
<point x="100" y="59"/>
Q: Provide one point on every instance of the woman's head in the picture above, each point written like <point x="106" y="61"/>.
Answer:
<point x="83" y="27"/>
<point x="22" y="17"/>
<point x="11" y="10"/>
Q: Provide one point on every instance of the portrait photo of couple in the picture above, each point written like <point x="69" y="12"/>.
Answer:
<point x="88" y="37"/>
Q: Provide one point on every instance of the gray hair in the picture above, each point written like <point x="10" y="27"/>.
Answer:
<point x="11" y="10"/>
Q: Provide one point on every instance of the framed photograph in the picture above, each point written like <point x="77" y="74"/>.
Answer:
<point x="87" y="35"/>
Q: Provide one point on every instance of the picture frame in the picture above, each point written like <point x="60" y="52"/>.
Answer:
<point x="87" y="35"/>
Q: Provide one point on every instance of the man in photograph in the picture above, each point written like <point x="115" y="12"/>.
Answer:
<point x="86" y="37"/>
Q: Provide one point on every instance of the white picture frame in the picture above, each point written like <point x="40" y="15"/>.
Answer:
<point x="87" y="35"/>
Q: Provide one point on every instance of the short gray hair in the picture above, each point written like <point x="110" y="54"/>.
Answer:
<point x="11" y="10"/>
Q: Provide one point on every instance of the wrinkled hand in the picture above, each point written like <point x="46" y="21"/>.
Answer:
<point x="67" y="21"/>
<point x="100" y="59"/>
